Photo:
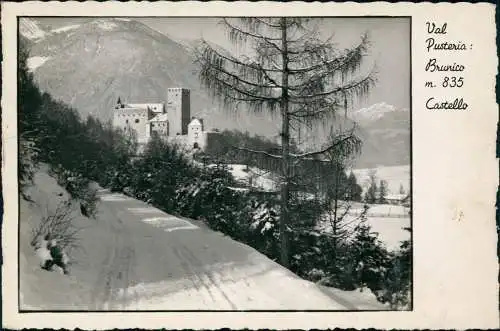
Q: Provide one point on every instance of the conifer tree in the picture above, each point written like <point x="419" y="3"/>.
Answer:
<point x="293" y="73"/>
<point x="354" y="189"/>
<point x="371" y="193"/>
<point x="401" y="189"/>
<point x="382" y="191"/>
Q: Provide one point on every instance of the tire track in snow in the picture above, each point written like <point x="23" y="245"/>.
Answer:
<point x="118" y="277"/>
<point x="117" y="268"/>
<point x="193" y="277"/>
<point x="100" y="286"/>
<point x="208" y="274"/>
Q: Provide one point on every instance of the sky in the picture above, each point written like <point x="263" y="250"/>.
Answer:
<point x="390" y="47"/>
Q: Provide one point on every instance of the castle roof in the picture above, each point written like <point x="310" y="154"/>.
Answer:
<point x="195" y="121"/>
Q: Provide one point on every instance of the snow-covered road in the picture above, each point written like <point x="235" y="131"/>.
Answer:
<point x="161" y="262"/>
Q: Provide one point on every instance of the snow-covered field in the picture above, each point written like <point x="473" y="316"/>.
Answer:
<point x="382" y="210"/>
<point x="390" y="230"/>
<point x="395" y="176"/>
<point x="388" y="221"/>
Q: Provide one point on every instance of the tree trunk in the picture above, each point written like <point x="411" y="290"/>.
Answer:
<point x="335" y="220"/>
<point x="285" y="151"/>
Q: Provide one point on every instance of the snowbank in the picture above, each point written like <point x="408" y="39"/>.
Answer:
<point x="360" y="299"/>
<point x="41" y="289"/>
<point x="262" y="285"/>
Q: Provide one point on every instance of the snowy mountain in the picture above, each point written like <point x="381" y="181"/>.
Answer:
<point x="385" y="131"/>
<point x="374" y="112"/>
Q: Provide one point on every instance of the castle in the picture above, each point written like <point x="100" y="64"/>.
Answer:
<point x="172" y="122"/>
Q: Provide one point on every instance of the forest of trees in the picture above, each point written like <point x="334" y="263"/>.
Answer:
<point x="54" y="133"/>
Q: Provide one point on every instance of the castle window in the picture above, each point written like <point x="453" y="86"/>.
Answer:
<point x="136" y="120"/>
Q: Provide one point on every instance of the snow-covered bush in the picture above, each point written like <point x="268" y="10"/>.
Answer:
<point x="89" y="202"/>
<point x="42" y="251"/>
<point x="260" y="220"/>
<point x="79" y="189"/>
<point x="56" y="228"/>
<point x="316" y="275"/>
<point x="57" y="225"/>
<point x="264" y="218"/>
<point x="208" y="196"/>
<point x="396" y="289"/>
<point x="51" y="255"/>
<point x="27" y="160"/>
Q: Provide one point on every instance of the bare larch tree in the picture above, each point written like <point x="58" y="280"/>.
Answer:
<point x="282" y="65"/>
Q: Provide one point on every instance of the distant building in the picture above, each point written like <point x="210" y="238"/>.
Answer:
<point x="197" y="137"/>
<point x="133" y="117"/>
<point x="398" y="199"/>
<point x="172" y="122"/>
<point x="179" y="110"/>
<point x="158" y="124"/>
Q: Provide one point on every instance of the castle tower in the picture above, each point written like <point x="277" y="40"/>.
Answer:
<point x="196" y="134"/>
<point x="178" y="110"/>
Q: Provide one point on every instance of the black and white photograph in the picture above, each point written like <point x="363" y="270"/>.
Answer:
<point x="214" y="163"/>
